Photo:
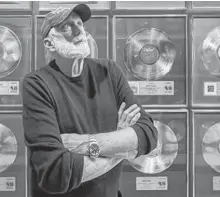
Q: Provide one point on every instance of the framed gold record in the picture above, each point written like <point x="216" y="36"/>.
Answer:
<point x="206" y="62"/>
<point x="206" y="153"/>
<point x="15" y="57"/>
<point x="97" y="36"/>
<point x="156" y="173"/>
<point x="12" y="155"/>
<point x="151" y="52"/>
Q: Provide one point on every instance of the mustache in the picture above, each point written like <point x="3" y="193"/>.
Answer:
<point x="79" y="38"/>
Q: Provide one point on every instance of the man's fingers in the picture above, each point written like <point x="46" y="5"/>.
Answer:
<point x="135" y="111"/>
<point x="135" y="119"/>
<point x="132" y="114"/>
<point x="129" y="110"/>
<point x="121" y="110"/>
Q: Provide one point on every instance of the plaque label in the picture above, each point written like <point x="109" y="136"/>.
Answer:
<point x="9" y="87"/>
<point x="216" y="183"/>
<point x="152" y="87"/>
<point x="7" y="184"/>
<point x="151" y="183"/>
<point x="211" y="88"/>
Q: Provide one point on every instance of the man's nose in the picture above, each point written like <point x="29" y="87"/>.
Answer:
<point x="76" y="31"/>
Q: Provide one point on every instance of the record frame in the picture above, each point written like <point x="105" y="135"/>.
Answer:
<point x="15" y="5"/>
<point x="193" y="173"/>
<point x="135" y="174"/>
<point x="19" y="113"/>
<point x="205" y="7"/>
<point x="151" y="7"/>
<point x="29" y="56"/>
<point x="185" y="52"/>
<point x="106" y="17"/>
<point x="193" y="62"/>
<point x="50" y="5"/>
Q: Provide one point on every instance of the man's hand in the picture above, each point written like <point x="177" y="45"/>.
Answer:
<point x="129" y="116"/>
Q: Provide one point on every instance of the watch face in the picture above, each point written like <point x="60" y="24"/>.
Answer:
<point x="94" y="150"/>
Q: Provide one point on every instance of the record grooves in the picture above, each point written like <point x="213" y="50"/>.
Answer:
<point x="149" y="54"/>
<point x="10" y="51"/>
<point x="8" y="148"/>
<point x="211" y="147"/>
<point x="210" y="53"/>
<point x="163" y="156"/>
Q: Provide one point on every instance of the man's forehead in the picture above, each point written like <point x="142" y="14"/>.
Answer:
<point x="72" y="16"/>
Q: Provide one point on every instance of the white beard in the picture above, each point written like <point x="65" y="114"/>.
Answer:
<point x="70" y="50"/>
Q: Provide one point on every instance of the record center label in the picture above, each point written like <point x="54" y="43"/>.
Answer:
<point x="152" y="87"/>
<point x="7" y="184"/>
<point x="149" y="54"/>
<point x="9" y="87"/>
<point x="216" y="183"/>
<point x="151" y="183"/>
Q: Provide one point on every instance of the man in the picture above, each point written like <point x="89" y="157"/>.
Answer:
<point x="75" y="122"/>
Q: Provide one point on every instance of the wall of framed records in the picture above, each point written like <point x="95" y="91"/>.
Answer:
<point x="170" y="54"/>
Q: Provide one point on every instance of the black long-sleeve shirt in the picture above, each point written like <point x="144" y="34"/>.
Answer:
<point x="54" y="103"/>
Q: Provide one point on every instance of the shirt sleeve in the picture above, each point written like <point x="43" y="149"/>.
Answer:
<point x="146" y="131"/>
<point x="57" y="169"/>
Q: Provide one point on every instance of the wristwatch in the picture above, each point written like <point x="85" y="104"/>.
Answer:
<point x="93" y="147"/>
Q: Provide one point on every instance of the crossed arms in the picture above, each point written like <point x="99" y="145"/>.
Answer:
<point x="50" y="159"/>
<point x="121" y="144"/>
<point x="115" y="146"/>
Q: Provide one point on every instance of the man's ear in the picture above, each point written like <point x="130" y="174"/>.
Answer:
<point x="48" y="43"/>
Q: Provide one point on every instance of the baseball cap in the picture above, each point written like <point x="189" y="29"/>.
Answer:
<point x="60" y="14"/>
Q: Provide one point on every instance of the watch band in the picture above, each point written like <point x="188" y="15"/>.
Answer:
<point x="92" y="138"/>
<point x="93" y="143"/>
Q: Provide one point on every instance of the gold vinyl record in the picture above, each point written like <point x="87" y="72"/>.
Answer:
<point x="149" y="54"/>
<point x="92" y="45"/>
<point x="163" y="156"/>
<point x="211" y="147"/>
<point x="210" y="53"/>
<point x="8" y="148"/>
<point x="10" y="51"/>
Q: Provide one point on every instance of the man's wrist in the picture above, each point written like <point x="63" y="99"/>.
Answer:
<point x="93" y="147"/>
